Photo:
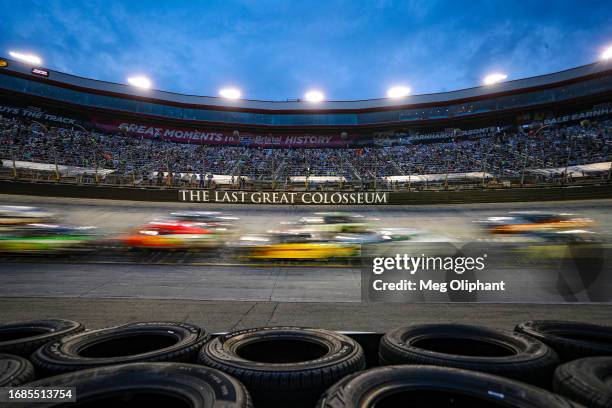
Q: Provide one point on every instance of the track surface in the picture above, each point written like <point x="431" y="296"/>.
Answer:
<point x="286" y="284"/>
<point x="226" y="297"/>
<point x="455" y="221"/>
<point x="220" y="316"/>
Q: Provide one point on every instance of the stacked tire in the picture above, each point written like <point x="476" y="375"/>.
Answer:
<point x="151" y="385"/>
<point x="586" y="380"/>
<point x="419" y="386"/>
<point x="15" y="370"/>
<point x="282" y="364"/>
<point x="586" y="350"/>
<point x="19" y="339"/>
<point x="23" y="338"/>
<point x="129" y="343"/>
<point x="571" y="340"/>
<point x="467" y="347"/>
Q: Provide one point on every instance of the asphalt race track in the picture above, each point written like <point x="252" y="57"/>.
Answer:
<point x="453" y="221"/>
<point x="223" y="295"/>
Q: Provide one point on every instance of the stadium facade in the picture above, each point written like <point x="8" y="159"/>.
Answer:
<point x="50" y="95"/>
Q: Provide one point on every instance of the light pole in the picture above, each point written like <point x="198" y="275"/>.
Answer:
<point x="570" y="139"/>
<point x="57" y="174"/>
<point x="95" y="153"/>
<point x="409" y="175"/>
<point x="525" y="155"/>
<point x="484" y="171"/>
<point x="14" y="164"/>
<point x="610" y="169"/>
<point x="523" y="170"/>
<point x="447" y="168"/>
<point x="341" y="172"/>
<point x="12" y="153"/>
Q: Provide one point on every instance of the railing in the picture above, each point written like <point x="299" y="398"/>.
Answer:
<point x="131" y="179"/>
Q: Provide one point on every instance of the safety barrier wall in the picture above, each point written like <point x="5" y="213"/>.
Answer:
<point x="196" y="196"/>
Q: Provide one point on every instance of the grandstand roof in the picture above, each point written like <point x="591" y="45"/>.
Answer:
<point x="299" y="106"/>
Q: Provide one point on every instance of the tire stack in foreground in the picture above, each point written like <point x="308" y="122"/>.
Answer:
<point x="442" y="365"/>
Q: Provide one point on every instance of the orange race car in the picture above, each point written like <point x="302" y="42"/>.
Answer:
<point x="535" y="222"/>
<point x="172" y="235"/>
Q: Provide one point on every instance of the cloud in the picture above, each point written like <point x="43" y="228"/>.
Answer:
<point x="275" y="50"/>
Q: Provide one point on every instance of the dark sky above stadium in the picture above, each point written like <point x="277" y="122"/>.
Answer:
<point x="350" y="49"/>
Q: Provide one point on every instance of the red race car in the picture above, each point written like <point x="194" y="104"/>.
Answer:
<point x="173" y="235"/>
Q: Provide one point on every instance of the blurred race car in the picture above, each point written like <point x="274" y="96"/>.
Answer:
<point x="560" y="242"/>
<point x="322" y="236"/>
<point x="11" y="215"/>
<point x="536" y="222"/>
<point x="211" y="219"/>
<point x="334" y="222"/>
<point x="188" y="230"/>
<point x="30" y="229"/>
<point x="293" y="246"/>
<point x="171" y="235"/>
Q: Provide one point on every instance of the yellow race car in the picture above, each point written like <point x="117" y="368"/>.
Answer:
<point x="294" y="246"/>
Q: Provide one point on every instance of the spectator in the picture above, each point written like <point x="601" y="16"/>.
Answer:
<point x="503" y="154"/>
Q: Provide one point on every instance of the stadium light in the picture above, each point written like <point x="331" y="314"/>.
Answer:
<point x="398" y="92"/>
<point x="314" y="96"/>
<point x="140" y="82"/>
<point x="27" y="58"/>
<point x="607" y="54"/>
<point x="230" y="93"/>
<point x="494" y="78"/>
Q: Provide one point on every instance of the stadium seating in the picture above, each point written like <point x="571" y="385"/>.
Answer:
<point x="504" y="154"/>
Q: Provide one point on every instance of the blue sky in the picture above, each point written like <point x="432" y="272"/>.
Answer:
<point x="278" y="49"/>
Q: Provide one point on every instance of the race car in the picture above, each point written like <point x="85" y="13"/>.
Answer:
<point x="47" y="238"/>
<point x="212" y="219"/>
<point x="171" y="235"/>
<point x="186" y="230"/>
<point x="11" y="215"/>
<point x="323" y="236"/>
<point x="293" y="246"/>
<point x="334" y="222"/>
<point x="536" y="223"/>
<point x="35" y="230"/>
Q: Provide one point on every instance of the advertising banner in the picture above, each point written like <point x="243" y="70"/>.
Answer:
<point x="220" y="137"/>
<point x="598" y="111"/>
<point x="35" y="113"/>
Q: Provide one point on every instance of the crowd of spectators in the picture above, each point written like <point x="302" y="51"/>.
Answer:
<point x="505" y="153"/>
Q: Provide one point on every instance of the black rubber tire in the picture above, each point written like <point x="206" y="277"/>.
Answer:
<point x="291" y="364"/>
<point x="472" y="348"/>
<point x="187" y="384"/>
<point x="15" y="370"/>
<point x="22" y="338"/>
<point x="129" y="343"/>
<point x="587" y="380"/>
<point x="571" y="340"/>
<point x="435" y="387"/>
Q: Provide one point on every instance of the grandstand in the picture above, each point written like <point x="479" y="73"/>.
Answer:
<point x="541" y="129"/>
